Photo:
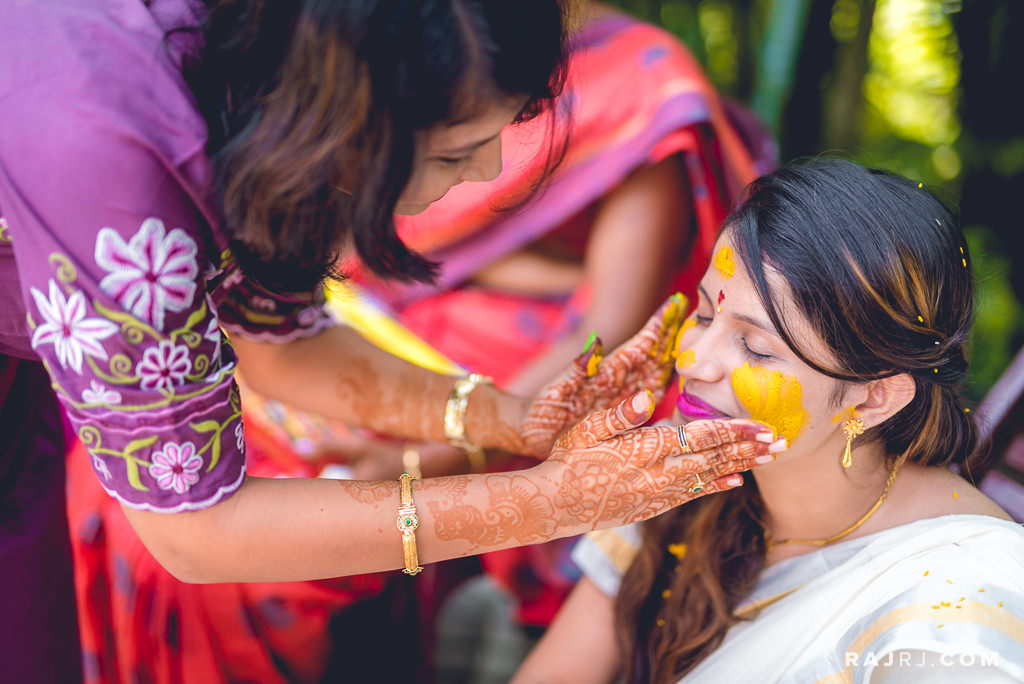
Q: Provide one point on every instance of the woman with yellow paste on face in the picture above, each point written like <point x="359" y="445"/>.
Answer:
<point x="857" y="555"/>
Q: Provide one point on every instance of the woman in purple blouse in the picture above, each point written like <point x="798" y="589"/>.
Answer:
<point x="175" y="170"/>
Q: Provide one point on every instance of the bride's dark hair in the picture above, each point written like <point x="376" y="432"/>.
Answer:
<point x="881" y="271"/>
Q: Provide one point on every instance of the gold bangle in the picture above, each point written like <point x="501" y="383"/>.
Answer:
<point x="408" y="521"/>
<point x="411" y="461"/>
<point x="455" y="418"/>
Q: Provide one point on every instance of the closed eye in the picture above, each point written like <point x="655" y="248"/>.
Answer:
<point x="753" y="354"/>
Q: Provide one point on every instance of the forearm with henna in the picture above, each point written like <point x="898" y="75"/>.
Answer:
<point x="602" y="473"/>
<point x="293" y="529"/>
<point x="339" y="375"/>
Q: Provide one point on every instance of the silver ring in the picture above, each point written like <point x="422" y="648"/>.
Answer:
<point x="683" y="446"/>
<point x="699" y="487"/>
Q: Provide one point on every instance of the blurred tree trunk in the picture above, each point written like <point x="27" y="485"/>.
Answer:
<point x="992" y="114"/>
<point x="800" y="130"/>
<point x="845" y="94"/>
<point x="781" y="56"/>
<point x="746" y="26"/>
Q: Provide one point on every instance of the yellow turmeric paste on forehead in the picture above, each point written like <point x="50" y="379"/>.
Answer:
<point x="725" y="262"/>
<point x="772" y="398"/>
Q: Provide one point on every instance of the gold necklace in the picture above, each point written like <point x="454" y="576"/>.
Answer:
<point x="769" y="544"/>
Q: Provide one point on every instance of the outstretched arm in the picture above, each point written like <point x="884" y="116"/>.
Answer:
<point x="602" y="473"/>
<point x="340" y="375"/>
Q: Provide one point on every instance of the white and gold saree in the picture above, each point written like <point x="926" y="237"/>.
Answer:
<point x="936" y="600"/>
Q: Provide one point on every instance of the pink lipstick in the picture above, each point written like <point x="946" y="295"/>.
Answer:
<point x="693" y="408"/>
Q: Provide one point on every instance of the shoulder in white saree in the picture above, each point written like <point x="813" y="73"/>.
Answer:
<point x="937" y="600"/>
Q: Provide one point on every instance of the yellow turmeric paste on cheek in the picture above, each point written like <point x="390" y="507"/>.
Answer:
<point x="772" y="398"/>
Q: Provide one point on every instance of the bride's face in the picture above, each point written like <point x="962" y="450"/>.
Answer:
<point x="732" y="363"/>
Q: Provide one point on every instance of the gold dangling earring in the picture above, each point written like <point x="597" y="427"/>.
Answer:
<point x="853" y="427"/>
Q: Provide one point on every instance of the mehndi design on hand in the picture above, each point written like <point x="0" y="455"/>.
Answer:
<point x="617" y="475"/>
<point x="594" y="382"/>
<point x="603" y="472"/>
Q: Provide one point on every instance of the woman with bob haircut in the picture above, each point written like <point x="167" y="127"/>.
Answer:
<point x="835" y="310"/>
<point x="173" y="169"/>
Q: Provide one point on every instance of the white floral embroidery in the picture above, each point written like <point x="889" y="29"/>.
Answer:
<point x="235" y="277"/>
<point x="263" y="303"/>
<point x="308" y="316"/>
<point x="240" y="436"/>
<point x="176" y="466"/>
<point x="100" y="467"/>
<point x="164" y="367"/>
<point x="152" y="273"/>
<point x="213" y="333"/>
<point x="211" y="271"/>
<point x="66" y="327"/>
<point x="98" y="394"/>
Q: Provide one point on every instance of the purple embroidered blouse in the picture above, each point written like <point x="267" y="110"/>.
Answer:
<point x="113" y="268"/>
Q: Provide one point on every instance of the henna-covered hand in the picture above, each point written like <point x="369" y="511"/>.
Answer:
<point x="612" y="472"/>
<point x="592" y="382"/>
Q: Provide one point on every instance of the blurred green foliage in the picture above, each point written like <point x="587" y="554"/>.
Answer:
<point x="922" y="87"/>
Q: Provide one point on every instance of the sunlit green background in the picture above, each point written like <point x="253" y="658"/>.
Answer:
<point x="926" y="88"/>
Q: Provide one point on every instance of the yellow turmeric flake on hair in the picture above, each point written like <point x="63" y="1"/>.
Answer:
<point x="725" y="262"/>
<point x="772" y="398"/>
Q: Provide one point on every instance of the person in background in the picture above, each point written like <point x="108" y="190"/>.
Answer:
<point x="836" y="311"/>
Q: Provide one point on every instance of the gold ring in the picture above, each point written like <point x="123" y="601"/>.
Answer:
<point x="699" y="487"/>
<point x="683" y="446"/>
